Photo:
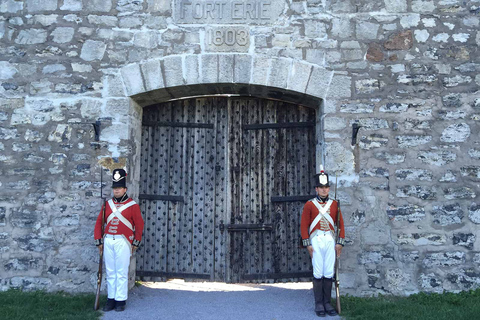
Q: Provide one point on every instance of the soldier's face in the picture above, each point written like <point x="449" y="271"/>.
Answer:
<point x="322" y="191"/>
<point x="119" y="192"/>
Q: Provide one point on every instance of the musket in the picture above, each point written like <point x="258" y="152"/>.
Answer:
<point x="100" y="263"/>
<point x="337" y="260"/>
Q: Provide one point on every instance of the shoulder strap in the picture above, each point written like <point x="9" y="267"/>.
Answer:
<point x="321" y="213"/>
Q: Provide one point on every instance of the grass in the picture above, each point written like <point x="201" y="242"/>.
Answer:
<point x="424" y="306"/>
<point x="39" y="305"/>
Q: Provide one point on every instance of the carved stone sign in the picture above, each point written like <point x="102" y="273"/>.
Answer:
<point x="227" y="39"/>
<point x="227" y="11"/>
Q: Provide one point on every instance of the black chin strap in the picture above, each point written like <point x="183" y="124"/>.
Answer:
<point x="122" y="198"/>
<point x="322" y="199"/>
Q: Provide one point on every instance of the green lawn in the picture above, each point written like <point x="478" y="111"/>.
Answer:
<point x="39" y="305"/>
<point x="422" y="306"/>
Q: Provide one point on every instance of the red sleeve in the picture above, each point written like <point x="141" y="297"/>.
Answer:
<point x="306" y="220"/>
<point x="138" y="223"/>
<point x="98" y="232"/>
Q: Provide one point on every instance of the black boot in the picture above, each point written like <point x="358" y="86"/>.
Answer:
<point x="327" y="296"/>
<point x="120" y="305"/>
<point x="110" y="305"/>
<point x="318" y="294"/>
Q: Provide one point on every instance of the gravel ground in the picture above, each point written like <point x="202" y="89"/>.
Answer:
<point x="181" y="300"/>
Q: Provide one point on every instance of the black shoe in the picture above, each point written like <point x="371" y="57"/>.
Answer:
<point x="320" y="313"/>
<point x="109" y="306"/>
<point x="120" y="306"/>
<point x="332" y="312"/>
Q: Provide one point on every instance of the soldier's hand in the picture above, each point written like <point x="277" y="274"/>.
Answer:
<point x="134" y="248"/>
<point x="100" y="248"/>
<point x="310" y="251"/>
<point x="338" y="250"/>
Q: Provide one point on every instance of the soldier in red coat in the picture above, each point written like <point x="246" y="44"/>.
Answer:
<point x="123" y="233"/>
<point x="317" y="228"/>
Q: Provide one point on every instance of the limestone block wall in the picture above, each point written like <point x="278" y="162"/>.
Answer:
<point x="406" y="71"/>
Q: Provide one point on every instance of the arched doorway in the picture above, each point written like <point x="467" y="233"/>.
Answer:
<point x="223" y="181"/>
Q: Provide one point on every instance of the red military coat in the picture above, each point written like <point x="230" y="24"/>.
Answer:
<point x="126" y="221"/>
<point x="310" y="211"/>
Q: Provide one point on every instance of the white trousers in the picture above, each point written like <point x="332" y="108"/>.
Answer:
<point x="117" y="260"/>
<point x="323" y="259"/>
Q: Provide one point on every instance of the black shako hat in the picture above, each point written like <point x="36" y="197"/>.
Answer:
<point x="321" y="179"/>
<point x="119" y="178"/>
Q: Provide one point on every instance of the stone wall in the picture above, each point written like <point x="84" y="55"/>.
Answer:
<point x="406" y="71"/>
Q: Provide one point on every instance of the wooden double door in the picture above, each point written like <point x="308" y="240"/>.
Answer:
<point x="223" y="182"/>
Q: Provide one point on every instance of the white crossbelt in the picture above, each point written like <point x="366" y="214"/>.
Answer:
<point x="118" y="213"/>
<point x="322" y="213"/>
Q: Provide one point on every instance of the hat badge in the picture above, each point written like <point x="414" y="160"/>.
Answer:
<point x="117" y="176"/>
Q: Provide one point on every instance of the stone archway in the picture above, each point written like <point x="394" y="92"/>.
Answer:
<point x="181" y="77"/>
<point x="175" y="77"/>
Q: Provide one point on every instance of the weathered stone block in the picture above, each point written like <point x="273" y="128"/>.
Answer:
<point x="41" y="5"/>
<point x="31" y="36"/>
<point x="7" y="70"/>
<point x="365" y="86"/>
<point x="431" y="282"/>
<point x="437" y="158"/>
<point x="357" y="108"/>
<point x="11" y="6"/>
<point x="3" y="211"/>
<point x="474" y="213"/>
<point x="23" y="264"/>
<point x="242" y="68"/>
<point x="375" y="257"/>
<point x="412" y="141"/>
<point x="98" y="5"/>
<point x="366" y="30"/>
<point x="133" y="80"/>
<point x="465" y="279"/>
<point x="72" y="5"/>
<point x="464" y="239"/>
<point x="375" y="172"/>
<point x="422" y="239"/>
<point x="423" y="6"/>
<point x="299" y="76"/>
<point x="459" y="193"/>
<point x="456" y="133"/>
<point x="260" y="66"/>
<point x="6" y="134"/>
<point x="146" y="39"/>
<point x="390" y="158"/>
<point x="93" y="50"/>
<point x="340" y="87"/>
<point x="413" y="174"/>
<point x="278" y="73"/>
<point x="408" y="213"/>
<point x="456" y="81"/>
<point x="421" y="192"/>
<point x="152" y="74"/>
<point x="209" y="68"/>
<point x="372" y="123"/>
<point x="471" y="172"/>
<point x="444" y="259"/>
<point x="321" y="82"/>
<point x="31" y="283"/>
<point x="394" y="107"/>
<point x="418" y="79"/>
<point x="226" y="68"/>
<point x="447" y="214"/>
<point x="62" y="34"/>
<point x="449" y="176"/>
<point x="372" y="141"/>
